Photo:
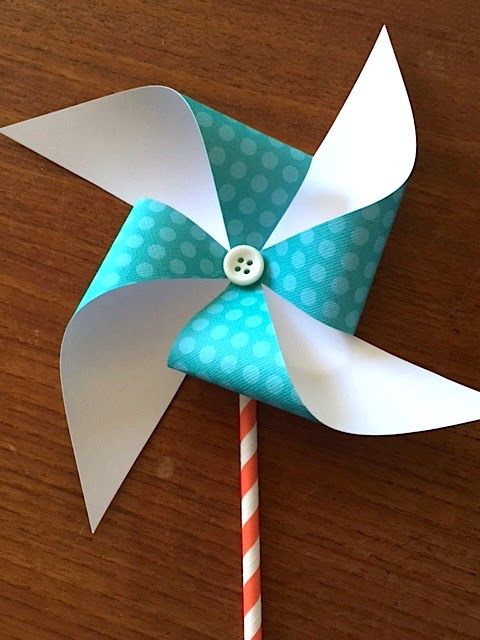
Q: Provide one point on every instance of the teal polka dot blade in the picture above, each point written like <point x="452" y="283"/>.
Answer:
<point x="256" y="176"/>
<point x="327" y="271"/>
<point x="156" y="242"/>
<point x="232" y="343"/>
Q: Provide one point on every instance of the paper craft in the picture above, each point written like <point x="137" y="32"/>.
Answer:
<point x="244" y="262"/>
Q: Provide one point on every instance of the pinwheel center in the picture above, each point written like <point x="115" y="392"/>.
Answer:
<point x="243" y="265"/>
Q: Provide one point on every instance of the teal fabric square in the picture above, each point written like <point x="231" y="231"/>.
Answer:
<point x="256" y="176"/>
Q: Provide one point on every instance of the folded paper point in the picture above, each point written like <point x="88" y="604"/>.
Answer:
<point x="352" y="386"/>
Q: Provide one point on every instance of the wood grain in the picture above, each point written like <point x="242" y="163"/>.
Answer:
<point x="362" y="537"/>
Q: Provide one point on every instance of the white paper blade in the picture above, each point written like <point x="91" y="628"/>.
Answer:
<point x="141" y="143"/>
<point x="354" y="387"/>
<point x="115" y="380"/>
<point x="368" y="153"/>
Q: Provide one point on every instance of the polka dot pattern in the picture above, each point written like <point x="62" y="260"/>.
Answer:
<point x="327" y="271"/>
<point x="256" y="176"/>
<point x="156" y="242"/>
<point x="236" y="346"/>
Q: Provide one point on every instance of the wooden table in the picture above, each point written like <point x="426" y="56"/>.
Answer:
<point x="362" y="537"/>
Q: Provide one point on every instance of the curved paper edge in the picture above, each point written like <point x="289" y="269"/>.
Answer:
<point x="368" y="153"/>
<point x="115" y="380"/>
<point x="354" y="387"/>
<point x="140" y="143"/>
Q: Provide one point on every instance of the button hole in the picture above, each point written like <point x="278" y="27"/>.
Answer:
<point x="240" y="260"/>
<point x="247" y="271"/>
<point x="249" y="262"/>
<point x="237" y="268"/>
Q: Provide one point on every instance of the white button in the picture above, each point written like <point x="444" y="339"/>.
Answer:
<point x="243" y="265"/>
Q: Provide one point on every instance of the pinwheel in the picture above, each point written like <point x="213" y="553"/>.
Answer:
<point x="244" y="262"/>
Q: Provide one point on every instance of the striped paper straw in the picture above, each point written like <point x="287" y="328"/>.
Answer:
<point x="252" y="600"/>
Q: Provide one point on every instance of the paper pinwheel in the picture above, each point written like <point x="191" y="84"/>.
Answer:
<point x="244" y="262"/>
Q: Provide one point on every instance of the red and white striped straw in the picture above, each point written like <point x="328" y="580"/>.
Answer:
<point x="252" y="599"/>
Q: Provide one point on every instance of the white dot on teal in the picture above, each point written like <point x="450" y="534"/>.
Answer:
<point x="336" y="225"/>
<point x="270" y="330"/>
<point x="372" y="212"/>
<point x="290" y="173"/>
<point x="110" y="280"/>
<point x="269" y="160"/>
<point x="308" y="296"/>
<point x="156" y="207"/>
<point x="123" y="260"/>
<point x="177" y="218"/>
<point x="217" y="156"/>
<point x="251" y="373"/>
<point x="206" y="266"/>
<point x="188" y="249"/>
<point x="259" y="183"/>
<point x="379" y="244"/>
<point x="267" y="219"/>
<point x="275" y="143"/>
<point x="350" y="261"/>
<point x="330" y="309"/>
<point x="261" y="349"/>
<point x="297" y="154"/>
<point x="279" y="197"/>
<point x="216" y="250"/>
<point x="178" y="266"/>
<point x="307" y="237"/>
<point x="340" y="285"/>
<point x="234" y="314"/>
<point x="388" y="218"/>
<point x="298" y="260"/>
<point x="156" y="251"/>
<point x="197" y="233"/>
<point x="326" y="248"/>
<point x="370" y="269"/>
<point x="228" y="363"/>
<point x="134" y="241"/>
<point x="248" y="302"/>
<point x="240" y="340"/>
<point x="351" y="319"/>
<point x="226" y="193"/>
<point x="255" y="239"/>
<point x="282" y="248"/>
<point x="144" y="270"/>
<point x="204" y="119"/>
<point x="246" y="206"/>
<point x="200" y="324"/>
<point x="238" y="169"/>
<point x="252" y="322"/>
<point x="226" y="132"/>
<point x="167" y="234"/>
<point x="215" y="308"/>
<point x="145" y="223"/>
<point x="207" y="354"/>
<point x="289" y="282"/>
<point x="317" y="272"/>
<point x="361" y="294"/>
<point x="274" y="268"/>
<point x="235" y="227"/>
<point x="274" y="384"/>
<point x="360" y="236"/>
<point x="248" y="146"/>
<point x="186" y="345"/>
<point x="231" y="294"/>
